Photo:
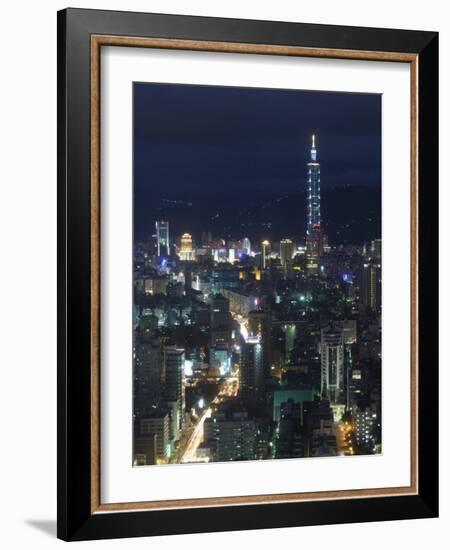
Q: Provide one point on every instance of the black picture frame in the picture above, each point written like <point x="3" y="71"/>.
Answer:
<point x="75" y="519"/>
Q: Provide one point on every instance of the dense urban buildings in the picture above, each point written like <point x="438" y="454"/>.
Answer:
<point x="248" y="349"/>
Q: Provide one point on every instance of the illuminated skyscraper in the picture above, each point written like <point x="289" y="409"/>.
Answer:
<point x="220" y="321"/>
<point x="332" y="362"/>
<point x="174" y="388"/>
<point x="286" y="254"/>
<point x="290" y="335"/>
<point x="375" y="249"/>
<point x="246" y="246"/>
<point x="313" y="225"/>
<point x="147" y="375"/>
<point x="265" y="250"/>
<point x="251" y="372"/>
<point x="370" y="286"/>
<point x="162" y="238"/>
<point x="187" y="253"/>
<point x="230" y="433"/>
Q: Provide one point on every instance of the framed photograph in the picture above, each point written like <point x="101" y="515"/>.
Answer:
<point x="247" y="274"/>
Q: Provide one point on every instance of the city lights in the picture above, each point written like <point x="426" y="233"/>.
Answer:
<point x="256" y="352"/>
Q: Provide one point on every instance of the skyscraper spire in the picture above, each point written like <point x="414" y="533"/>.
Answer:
<point x="313" y="149"/>
<point x="313" y="222"/>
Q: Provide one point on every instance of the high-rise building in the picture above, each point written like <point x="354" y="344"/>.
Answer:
<point x="251" y="371"/>
<point x="147" y="375"/>
<point x="265" y="251"/>
<point x="286" y="254"/>
<point x="220" y="357"/>
<point x="144" y="450"/>
<point x="332" y="362"/>
<point x="290" y="442"/>
<point x="319" y="428"/>
<point x="157" y="424"/>
<point x="259" y="325"/>
<point x="370" y="286"/>
<point x="375" y="249"/>
<point x="290" y="335"/>
<point x="220" y="320"/>
<point x="313" y="223"/>
<point x="174" y="374"/>
<point x="364" y="421"/>
<point x="162" y="238"/>
<point x="187" y="252"/>
<point x="187" y="280"/>
<point x="246" y="246"/>
<point x="230" y="434"/>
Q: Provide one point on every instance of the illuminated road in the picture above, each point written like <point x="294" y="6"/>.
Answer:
<point x="344" y="435"/>
<point x="197" y="436"/>
<point x="243" y="324"/>
<point x="190" y="454"/>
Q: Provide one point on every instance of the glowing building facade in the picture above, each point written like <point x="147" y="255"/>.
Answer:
<point x="265" y="251"/>
<point x="246" y="246"/>
<point x="187" y="252"/>
<point x="313" y="226"/>
<point x="332" y="362"/>
<point x="286" y="254"/>
<point x="370" y="286"/>
<point x="162" y="238"/>
<point x="251" y="372"/>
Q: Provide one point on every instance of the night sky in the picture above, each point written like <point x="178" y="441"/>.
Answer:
<point x="226" y="143"/>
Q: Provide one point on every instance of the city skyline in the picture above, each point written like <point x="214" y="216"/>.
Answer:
<point x="259" y="345"/>
<point x="197" y="143"/>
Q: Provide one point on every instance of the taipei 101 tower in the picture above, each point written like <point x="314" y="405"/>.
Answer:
<point x="313" y="227"/>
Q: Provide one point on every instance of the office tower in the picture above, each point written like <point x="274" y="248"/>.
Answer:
<point x="316" y="411"/>
<point x="157" y="424"/>
<point x="323" y="440"/>
<point x="231" y="255"/>
<point x="148" y="324"/>
<point x="162" y="238"/>
<point x="290" y="442"/>
<point x="286" y="254"/>
<point x="251" y="371"/>
<point x="313" y="225"/>
<point x="370" y="286"/>
<point x="326" y="248"/>
<point x="332" y="362"/>
<point x="375" y="250"/>
<point x="230" y="434"/>
<point x="187" y="279"/>
<point x="365" y="420"/>
<point x="290" y="335"/>
<point x="282" y="394"/>
<point x="260" y="325"/>
<point x="220" y="320"/>
<point x="174" y="375"/>
<point x="144" y="450"/>
<point x="245" y="245"/>
<point x="318" y="427"/>
<point x="350" y="332"/>
<point x="147" y="373"/>
<point x="220" y="357"/>
<point x="265" y="251"/>
<point x="187" y="252"/>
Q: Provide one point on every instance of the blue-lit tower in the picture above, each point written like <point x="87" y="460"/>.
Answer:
<point x="313" y="226"/>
